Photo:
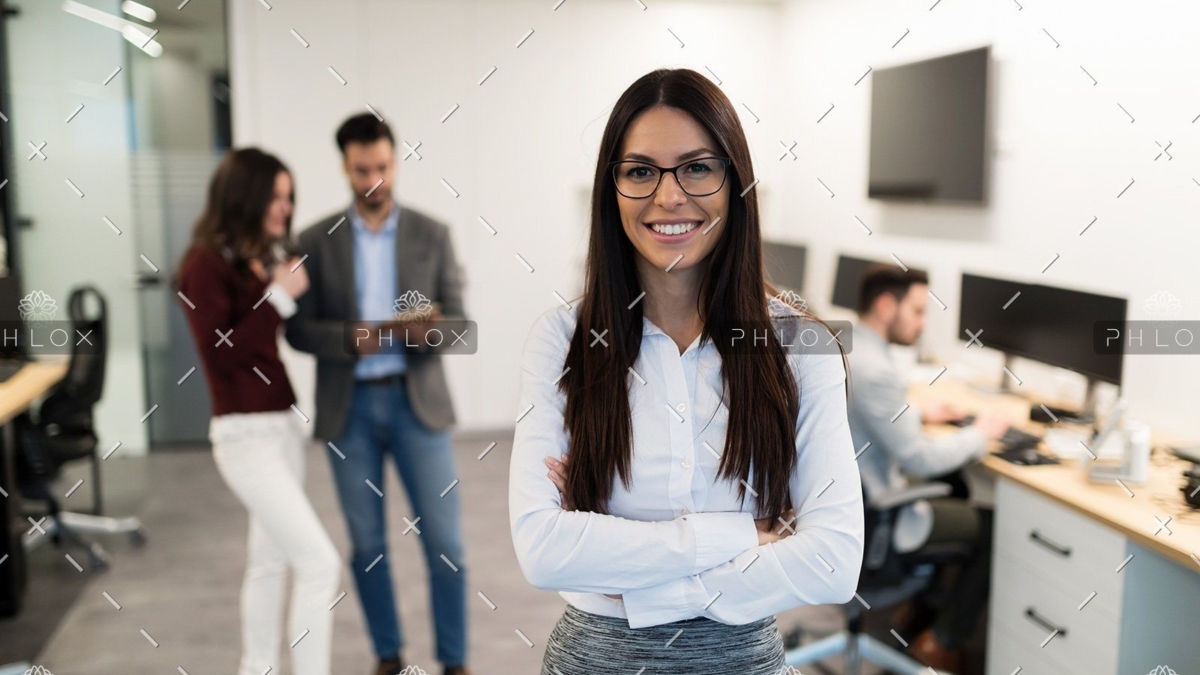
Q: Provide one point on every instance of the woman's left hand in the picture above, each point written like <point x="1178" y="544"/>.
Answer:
<point x="558" y="469"/>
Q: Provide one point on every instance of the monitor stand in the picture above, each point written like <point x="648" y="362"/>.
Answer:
<point x="1006" y="385"/>
<point x="1089" y="400"/>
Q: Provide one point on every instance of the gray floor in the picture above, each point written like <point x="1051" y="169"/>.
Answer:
<point x="182" y="587"/>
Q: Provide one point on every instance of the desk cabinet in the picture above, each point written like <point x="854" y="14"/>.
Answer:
<point x="1067" y="597"/>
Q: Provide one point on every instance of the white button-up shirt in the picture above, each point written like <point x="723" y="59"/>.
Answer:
<point x="678" y="544"/>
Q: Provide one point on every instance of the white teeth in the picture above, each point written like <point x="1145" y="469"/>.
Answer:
<point x="678" y="228"/>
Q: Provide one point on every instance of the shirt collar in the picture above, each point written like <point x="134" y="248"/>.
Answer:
<point x="862" y="333"/>
<point x="648" y="327"/>
<point x="390" y="223"/>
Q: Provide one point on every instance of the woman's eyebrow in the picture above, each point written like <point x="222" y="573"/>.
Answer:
<point x="682" y="158"/>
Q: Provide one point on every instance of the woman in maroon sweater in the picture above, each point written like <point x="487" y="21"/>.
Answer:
<point x="237" y="284"/>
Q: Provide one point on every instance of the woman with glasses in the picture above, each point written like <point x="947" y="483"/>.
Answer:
<point x="237" y="283"/>
<point x="682" y="468"/>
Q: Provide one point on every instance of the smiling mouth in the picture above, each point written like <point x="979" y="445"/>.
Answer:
<point x="674" y="229"/>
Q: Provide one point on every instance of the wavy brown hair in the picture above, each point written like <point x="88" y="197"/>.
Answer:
<point x="759" y="389"/>
<point x="239" y="195"/>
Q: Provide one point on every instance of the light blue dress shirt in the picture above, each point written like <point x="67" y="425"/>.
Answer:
<point x="899" y="448"/>
<point x="375" y="285"/>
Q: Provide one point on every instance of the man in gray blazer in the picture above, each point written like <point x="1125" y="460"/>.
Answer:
<point x="378" y="398"/>
<point x="891" y="310"/>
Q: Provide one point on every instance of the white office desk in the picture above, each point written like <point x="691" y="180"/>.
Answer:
<point x="1086" y="559"/>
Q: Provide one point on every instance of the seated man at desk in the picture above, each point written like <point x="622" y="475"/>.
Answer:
<point x="891" y="310"/>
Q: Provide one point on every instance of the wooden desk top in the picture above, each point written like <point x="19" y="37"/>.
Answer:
<point x="22" y="389"/>
<point x="1066" y="483"/>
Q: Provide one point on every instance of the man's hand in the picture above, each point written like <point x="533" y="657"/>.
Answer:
<point x="941" y="413"/>
<point x="413" y="331"/>
<point x="992" y="425"/>
<point x="366" y="343"/>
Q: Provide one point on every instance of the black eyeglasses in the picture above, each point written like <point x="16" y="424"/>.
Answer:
<point x="701" y="177"/>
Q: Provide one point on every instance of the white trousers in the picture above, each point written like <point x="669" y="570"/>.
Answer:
<point x="261" y="458"/>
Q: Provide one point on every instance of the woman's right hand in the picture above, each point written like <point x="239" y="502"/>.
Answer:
<point x="771" y="530"/>
<point x="294" y="282"/>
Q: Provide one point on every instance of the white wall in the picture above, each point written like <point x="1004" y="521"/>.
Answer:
<point x="1065" y="151"/>
<point x="60" y="61"/>
<point x="520" y="150"/>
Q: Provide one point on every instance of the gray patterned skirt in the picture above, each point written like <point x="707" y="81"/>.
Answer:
<point x="583" y="643"/>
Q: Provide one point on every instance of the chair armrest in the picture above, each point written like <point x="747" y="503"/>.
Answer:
<point x="890" y="500"/>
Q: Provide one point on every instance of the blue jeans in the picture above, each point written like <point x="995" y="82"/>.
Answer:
<point x="380" y="423"/>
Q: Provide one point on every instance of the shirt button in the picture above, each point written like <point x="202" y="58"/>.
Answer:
<point x="687" y="463"/>
<point x="681" y="407"/>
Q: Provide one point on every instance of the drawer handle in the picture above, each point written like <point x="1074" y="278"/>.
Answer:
<point x="1033" y="616"/>
<point x="1037" y="538"/>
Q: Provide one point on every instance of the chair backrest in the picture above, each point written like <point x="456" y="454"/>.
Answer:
<point x="882" y="565"/>
<point x="71" y="402"/>
<point x="888" y="576"/>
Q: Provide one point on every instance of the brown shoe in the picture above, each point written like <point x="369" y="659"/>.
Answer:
<point x="934" y="654"/>
<point x="390" y="666"/>
<point x="910" y="618"/>
<point x="903" y="615"/>
<point x="456" y="670"/>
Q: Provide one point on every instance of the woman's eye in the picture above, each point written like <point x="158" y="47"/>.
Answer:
<point x="699" y="167"/>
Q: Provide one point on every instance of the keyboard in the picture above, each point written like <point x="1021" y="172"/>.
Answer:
<point x="1014" y="439"/>
<point x="9" y="367"/>
<point x="1026" y="457"/>
<point x="964" y="421"/>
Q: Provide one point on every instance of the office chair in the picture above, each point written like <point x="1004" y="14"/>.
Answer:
<point x="887" y="579"/>
<point x="64" y="432"/>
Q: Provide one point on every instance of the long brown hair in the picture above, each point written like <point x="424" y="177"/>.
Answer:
<point x="759" y="391"/>
<point x="239" y="195"/>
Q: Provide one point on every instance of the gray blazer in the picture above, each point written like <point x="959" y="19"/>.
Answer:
<point x="425" y="262"/>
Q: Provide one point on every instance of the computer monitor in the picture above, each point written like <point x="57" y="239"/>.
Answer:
<point x="1043" y="323"/>
<point x="784" y="265"/>
<point x="847" y="281"/>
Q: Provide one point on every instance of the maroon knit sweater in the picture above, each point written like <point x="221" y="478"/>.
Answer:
<point x="223" y="299"/>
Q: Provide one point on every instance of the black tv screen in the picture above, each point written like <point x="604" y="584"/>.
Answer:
<point x="928" y="129"/>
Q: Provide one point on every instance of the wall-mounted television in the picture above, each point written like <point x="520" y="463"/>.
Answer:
<point x="929" y="128"/>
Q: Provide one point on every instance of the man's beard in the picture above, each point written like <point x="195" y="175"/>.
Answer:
<point x="374" y="203"/>
<point x="895" y="337"/>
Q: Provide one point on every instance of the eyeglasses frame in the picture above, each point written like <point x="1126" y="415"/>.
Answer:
<point x="662" y="171"/>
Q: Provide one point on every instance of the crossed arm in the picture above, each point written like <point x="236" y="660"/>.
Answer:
<point x="702" y="564"/>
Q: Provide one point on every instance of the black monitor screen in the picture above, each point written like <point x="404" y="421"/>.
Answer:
<point x="847" y="281"/>
<point x="1043" y="323"/>
<point x="784" y="265"/>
